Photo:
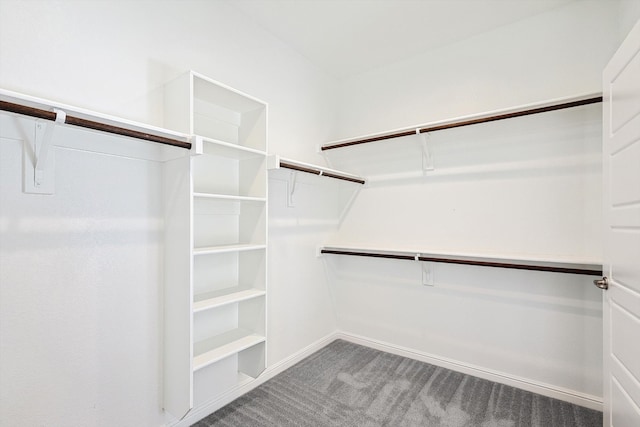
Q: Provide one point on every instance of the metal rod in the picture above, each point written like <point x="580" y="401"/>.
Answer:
<point x="469" y="122"/>
<point x="90" y="124"/>
<point x="319" y="172"/>
<point x="462" y="261"/>
<point x="368" y="254"/>
<point x="569" y="270"/>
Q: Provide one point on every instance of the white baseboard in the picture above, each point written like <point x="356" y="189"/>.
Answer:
<point x="571" y="396"/>
<point x="196" y="414"/>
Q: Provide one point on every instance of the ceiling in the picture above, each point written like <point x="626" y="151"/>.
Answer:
<point x="347" y="37"/>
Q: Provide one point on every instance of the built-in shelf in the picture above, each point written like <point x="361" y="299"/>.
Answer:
<point x="227" y="248"/>
<point x="214" y="147"/>
<point x="224" y="345"/>
<point x="216" y="232"/>
<point x="229" y="197"/>
<point x="223" y="297"/>
<point x="277" y="162"/>
<point x="558" y="266"/>
<point x="229" y="170"/>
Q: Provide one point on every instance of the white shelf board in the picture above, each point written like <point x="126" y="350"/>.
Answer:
<point x="215" y="299"/>
<point x="230" y="150"/>
<point x="227" y="248"/>
<point x="100" y="143"/>
<point x="479" y="259"/>
<point x="229" y="197"/>
<point x="470" y="117"/>
<point x="216" y="348"/>
<point x="226" y="96"/>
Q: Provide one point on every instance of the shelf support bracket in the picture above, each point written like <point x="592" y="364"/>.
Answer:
<point x="427" y="159"/>
<point x="427" y="274"/>
<point x="291" y="188"/>
<point x="324" y="154"/>
<point x="38" y="158"/>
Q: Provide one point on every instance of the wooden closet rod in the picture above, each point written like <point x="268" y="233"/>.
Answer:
<point x="470" y="261"/>
<point x="90" y="124"/>
<point x="469" y="122"/>
<point x="319" y="172"/>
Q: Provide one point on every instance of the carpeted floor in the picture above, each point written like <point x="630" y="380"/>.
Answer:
<point x="345" y="384"/>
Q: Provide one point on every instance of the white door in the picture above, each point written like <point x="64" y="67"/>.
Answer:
<point x="621" y="161"/>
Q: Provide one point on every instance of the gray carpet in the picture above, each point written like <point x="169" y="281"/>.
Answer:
<point x="345" y="384"/>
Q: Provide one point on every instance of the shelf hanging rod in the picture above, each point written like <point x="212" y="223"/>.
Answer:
<point x="469" y="261"/>
<point x="319" y="172"/>
<point x="90" y="124"/>
<point x="486" y="119"/>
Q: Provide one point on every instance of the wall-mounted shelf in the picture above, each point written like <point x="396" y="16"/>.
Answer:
<point x="42" y="125"/>
<point x="39" y="108"/>
<point x="277" y="162"/>
<point x="492" y="116"/>
<point x="556" y="266"/>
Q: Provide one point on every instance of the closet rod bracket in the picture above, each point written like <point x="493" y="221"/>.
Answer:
<point x="291" y="188"/>
<point x="427" y="274"/>
<point x="427" y="159"/>
<point x="38" y="157"/>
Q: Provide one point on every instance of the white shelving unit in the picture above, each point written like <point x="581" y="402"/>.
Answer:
<point x="216" y="243"/>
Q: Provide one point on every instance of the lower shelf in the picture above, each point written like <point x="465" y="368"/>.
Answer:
<point x="557" y="266"/>
<point x="217" y="348"/>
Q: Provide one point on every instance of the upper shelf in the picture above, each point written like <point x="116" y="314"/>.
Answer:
<point x="276" y="162"/>
<point x="213" y="147"/>
<point x="197" y="105"/>
<point x="557" y="266"/>
<point x="44" y="109"/>
<point x="542" y="107"/>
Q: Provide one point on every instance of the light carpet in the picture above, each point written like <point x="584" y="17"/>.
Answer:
<point x="345" y="384"/>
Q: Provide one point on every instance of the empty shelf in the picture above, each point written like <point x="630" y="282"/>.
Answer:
<point x="228" y="197"/>
<point x="557" y="266"/>
<point x="216" y="147"/>
<point x="78" y="117"/>
<point x="226" y="296"/>
<point x="276" y="162"/>
<point x="227" y="248"/>
<point x="537" y="108"/>
<point x="217" y="348"/>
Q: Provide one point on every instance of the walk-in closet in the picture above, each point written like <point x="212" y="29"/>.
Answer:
<point x="319" y="213"/>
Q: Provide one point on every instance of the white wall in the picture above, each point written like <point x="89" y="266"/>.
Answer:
<point x="113" y="56"/>
<point x="526" y="187"/>
<point x="81" y="312"/>
<point x="556" y="54"/>
<point x="629" y="15"/>
<point x="80" y="301"/>
<point x="295" y="234"/>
